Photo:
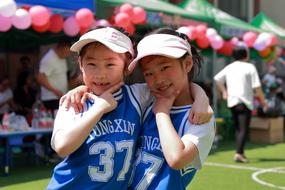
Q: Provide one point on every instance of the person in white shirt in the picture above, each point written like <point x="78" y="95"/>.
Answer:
<point x="53" y="75"/>
<point x="237" y="82"/>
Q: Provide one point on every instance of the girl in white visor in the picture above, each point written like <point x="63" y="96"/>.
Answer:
<point x="171" y="149"/>
<point x="99" y="143"/>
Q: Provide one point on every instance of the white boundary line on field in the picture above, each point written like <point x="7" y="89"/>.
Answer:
<point x="257" y="172"/>
<point x="255" y="178"/>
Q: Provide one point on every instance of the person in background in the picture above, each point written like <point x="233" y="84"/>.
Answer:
<point x="26" y="64"/>
<point x="6" y="96"/>
<point x="25" y="94"/>
<point x="53" y="79"/>
<point x="237" y="82"/>
<point x="52" y="75"/>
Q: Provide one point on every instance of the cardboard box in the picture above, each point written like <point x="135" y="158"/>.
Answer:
<point x="266" y="130"/>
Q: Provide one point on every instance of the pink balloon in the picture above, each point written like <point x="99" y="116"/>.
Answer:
<point x="139" y="15"/>
<point x="122" y="20"/>
<point x="273" y="40"/>
<point x="234" y="41"/>
<point x="249" y="38"/>
<point x="22" y="19"/>
<point x="217" y="42"/>
<point x="262" y="41"/>
<point x="5" y="23"/>
<point x="127" y="8"/>
<point x="201" y="31"/>
<point x="193" y="33"/>
<point x="102" y="22"/>
<point x="70" y="26"/>
<point x="56" y="23"/>
<point x="40" y="15"/>
<point x="211" y="33"/>
<point x="84" y="18"/>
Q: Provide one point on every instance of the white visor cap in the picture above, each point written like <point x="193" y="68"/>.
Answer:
<point x="110" y="37"/>
<point x="161" y="44"/>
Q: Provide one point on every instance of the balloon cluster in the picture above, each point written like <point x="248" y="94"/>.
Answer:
<point x="260" y="42"/>
<point x="208" y="37"/>
<point x="41" y="19"/>
<point x="127" y="16"/>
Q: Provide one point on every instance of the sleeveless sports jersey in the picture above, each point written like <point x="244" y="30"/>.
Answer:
<point x="105" y="159"/>
<point x="151" y="170"/>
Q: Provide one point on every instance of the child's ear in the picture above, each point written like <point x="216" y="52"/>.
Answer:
<point x="188" y="63"/>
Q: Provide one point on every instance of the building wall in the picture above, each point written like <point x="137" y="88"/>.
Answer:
<point x="275" y="10"/>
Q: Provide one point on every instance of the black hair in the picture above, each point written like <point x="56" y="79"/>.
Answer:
<point x="3" y="78"/>
<point x="24" y="58"/>
<point x="197" y="59"/>
<point x="240" y="52"/>
<point x="22" y="78"/>
<point x="63" y="43"/>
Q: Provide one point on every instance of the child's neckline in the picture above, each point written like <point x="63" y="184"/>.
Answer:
<point x="175" y="109"/>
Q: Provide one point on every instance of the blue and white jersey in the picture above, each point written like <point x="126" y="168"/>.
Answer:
<point x="151" y="170"/>
<point x="105" y="159"/>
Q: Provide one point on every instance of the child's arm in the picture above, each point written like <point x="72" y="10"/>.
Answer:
<point x="66" y="139"/>
<point x="260" y="94"/>
<point x="177" y="152"/>
<point x="201" y="111"/>
<point x="222" y="89"/>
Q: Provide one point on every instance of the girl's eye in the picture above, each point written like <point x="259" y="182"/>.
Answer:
<point x="91" y="64"/>
<point x="110" y="64"/>
<point x="164" y="68"/>
<point x="147" y="74"/>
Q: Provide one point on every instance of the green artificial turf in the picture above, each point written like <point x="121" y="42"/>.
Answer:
<point x="29" y="177"/>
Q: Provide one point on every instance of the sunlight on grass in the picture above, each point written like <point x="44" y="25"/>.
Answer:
<point x="27" y="177"/>
<point x="33" y="185"/>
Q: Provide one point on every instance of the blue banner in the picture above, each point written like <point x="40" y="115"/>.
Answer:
<point x="62" y="4"/>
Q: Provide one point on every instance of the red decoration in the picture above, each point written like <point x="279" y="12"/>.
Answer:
<point x="40" y="15"/>
<point x="265" y="52"/>
<point x="122" y="20"/>
<point x="56" y="23"/>
<point x="84" y="17"/>
<point x="42" y="28"/>
<point x="203" y="42"/>
<point x="227" y="48"/>
<point x="127" y="8"/>
<point x="130" y="29"/>
<point x="192" y="33"/>
<point x="201" y="31"/>
<point x="249" y="38"/>
<point x="139" y="15"/>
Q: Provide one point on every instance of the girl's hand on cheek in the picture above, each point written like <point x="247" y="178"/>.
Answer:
<point x="163" y="103"/>
<point x="105" y="102"/>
